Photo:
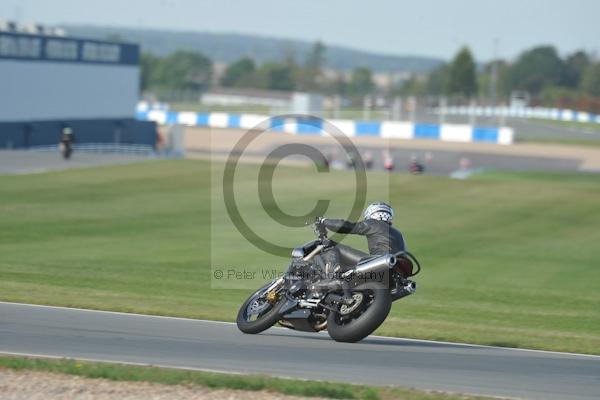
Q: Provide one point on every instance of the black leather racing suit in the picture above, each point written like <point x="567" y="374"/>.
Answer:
<point x="382" y="238"/>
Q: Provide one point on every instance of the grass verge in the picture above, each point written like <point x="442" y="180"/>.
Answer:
<point x="563" y="141"/>
<point x="167" y="376"/>
<point x="508" y="259"/>
<point x="592" y="126"/>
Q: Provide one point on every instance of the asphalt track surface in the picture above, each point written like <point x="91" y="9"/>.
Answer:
<point x="442" y="162"/>
<point x="33" y="162"/>
<point x="219" y="346"/>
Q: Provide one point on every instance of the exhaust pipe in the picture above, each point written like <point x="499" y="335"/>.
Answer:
<point x="406" y="290"/>
<point x="375" y="265"/>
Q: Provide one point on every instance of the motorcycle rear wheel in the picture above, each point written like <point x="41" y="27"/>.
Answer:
<point x="265" y="319"/>
<point x="375" y="306"/>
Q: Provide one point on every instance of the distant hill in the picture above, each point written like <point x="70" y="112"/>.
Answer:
<point x="228" y="47"/>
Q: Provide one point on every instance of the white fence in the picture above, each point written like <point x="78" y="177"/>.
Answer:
<point x="522" y="112"/>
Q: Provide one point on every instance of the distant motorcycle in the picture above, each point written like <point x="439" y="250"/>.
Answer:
<point x="66" y="141"/>
<point x="318" y="292"/>
<point x="66" y="149"/>
<point x="416" y="168"/>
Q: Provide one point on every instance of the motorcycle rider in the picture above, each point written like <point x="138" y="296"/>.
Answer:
<point x="66" y="141"/>
<point x="376" y="225"/>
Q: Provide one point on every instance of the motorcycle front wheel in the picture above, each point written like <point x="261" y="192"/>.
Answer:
<point x="354" y="322"/>
<point x="257" y="314"/>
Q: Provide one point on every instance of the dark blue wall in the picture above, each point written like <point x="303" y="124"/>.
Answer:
<point x="40" y="133"/>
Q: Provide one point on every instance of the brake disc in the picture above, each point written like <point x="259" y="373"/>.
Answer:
<point x="347" y="309"/>
<point x="257" y="307"/>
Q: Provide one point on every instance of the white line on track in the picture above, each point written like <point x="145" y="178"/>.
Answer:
<point x="285" y="329"/>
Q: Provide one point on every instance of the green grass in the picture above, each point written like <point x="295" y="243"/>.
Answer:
<point x="509" y="259"/>
<point x="199" y="107"/>
<point x="562" y="141"/>
<point x="565" y="140"/>
<point x="570" y="124"/>
<point x="167" y="376"/>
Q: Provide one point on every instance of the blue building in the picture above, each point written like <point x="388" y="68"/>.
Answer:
<point x="49" y="82"/>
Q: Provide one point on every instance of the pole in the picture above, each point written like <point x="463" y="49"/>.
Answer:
<point x="337" y="105"/>
<point x="472" y="112"/>
<point x="494" y="81"/>
<point x="442" y="110"/>
<point x="398" y="108"/>
<point x="367" y="108"/>
<point x="494" y="74"/>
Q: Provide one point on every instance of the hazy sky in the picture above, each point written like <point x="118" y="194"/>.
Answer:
<point x="422" y="27"/>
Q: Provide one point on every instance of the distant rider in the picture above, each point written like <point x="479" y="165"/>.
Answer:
<point x="415" y="167"/>
<point x="66" y="141"/>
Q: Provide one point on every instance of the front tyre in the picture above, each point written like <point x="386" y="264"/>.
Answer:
<point x="354" y="322"/>
<point x="257" y="314"/>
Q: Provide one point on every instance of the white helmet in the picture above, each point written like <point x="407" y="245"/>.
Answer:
<point x="379" y="211"/>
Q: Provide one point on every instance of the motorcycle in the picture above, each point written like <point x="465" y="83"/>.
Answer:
<point x="321" y="291"/>
<point x="66" y="149"/>
<point x="416" y="168"/>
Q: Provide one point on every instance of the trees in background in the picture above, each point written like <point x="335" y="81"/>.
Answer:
<point x="337" y="86"/>
<point x="361" y="82"/>
<point x="462" y="78"/>
<point x="239" y="73"/>
<point x="575" y="66"/>
<point x="415" y="85"/>
<point x="187" y="70"/>
<point x="536" y="69"/>
<point x="554" y="81"/>
<point x="590" y="83"/>
<point x="457" y="79"/>
<point x="274" y="76"/>
<point x="244" y="74"/>
<point x="437" y="82"/>
<point x="308" y="77"/>
<point x="149" y="66"/>
<point x="571" y="81"/>
<point x="550" y="79"/>
<point x="183" y="70"/>
<point x="285" y="76"/>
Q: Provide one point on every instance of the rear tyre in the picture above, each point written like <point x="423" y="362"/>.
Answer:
<point x="257" y="314"/>
<point x="355" y="322"/>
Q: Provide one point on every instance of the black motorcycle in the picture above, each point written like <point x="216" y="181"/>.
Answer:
<point x="66" y="141"/>
<point x="321" y="290"/>
<point x="66" y="149"/>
